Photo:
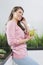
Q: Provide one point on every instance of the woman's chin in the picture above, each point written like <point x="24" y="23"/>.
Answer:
<point x="19" y="19"/>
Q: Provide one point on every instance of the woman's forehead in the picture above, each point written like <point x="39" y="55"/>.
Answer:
<point x="20" y="10"/>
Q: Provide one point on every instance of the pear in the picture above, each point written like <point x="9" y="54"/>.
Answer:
<point x="31" y="32"/>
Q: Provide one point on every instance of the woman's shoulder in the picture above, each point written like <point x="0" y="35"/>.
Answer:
<point x="11" y="23"/>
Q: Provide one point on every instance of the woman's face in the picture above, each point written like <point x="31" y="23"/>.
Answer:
<point x="18" y="14"/>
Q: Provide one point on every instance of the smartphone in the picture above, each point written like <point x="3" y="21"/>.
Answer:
<point x="22" y="18"/>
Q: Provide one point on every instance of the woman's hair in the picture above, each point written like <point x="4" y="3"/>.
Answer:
<point x="14" y="10"/>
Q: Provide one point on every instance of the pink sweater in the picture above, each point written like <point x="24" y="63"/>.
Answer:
<point x="14" y="34"/>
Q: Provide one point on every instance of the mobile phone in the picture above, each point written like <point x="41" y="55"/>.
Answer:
<point x="22" y="18"/>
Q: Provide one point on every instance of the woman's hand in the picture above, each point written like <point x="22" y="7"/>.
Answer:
<point x="28" y="36"/>
<point x="24" y="21"/>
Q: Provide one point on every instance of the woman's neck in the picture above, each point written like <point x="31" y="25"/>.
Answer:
<point x="14" y="20"/>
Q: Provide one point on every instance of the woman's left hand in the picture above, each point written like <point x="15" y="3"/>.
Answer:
<point x="24" y="21"/>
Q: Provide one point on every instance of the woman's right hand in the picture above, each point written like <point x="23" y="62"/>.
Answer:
<point x="29" y="37"/>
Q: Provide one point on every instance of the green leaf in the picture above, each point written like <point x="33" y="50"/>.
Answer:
<point x="2" y="51"/>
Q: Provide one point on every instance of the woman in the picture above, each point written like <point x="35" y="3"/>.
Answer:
<point x="17" y="38"/>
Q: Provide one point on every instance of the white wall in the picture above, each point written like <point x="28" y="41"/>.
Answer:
<point x="33" y="12"/>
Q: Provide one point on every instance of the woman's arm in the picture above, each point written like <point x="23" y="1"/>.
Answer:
<point x="25" y="40"/>
<point x="25" y="24"/>
<point x="26" y="31"/>
<point x="12" y="37"/>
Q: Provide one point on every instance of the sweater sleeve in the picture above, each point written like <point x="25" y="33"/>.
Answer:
<point x="11" y="34"/>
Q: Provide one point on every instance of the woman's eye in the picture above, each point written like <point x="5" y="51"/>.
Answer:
<point x="21" y="13"/>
